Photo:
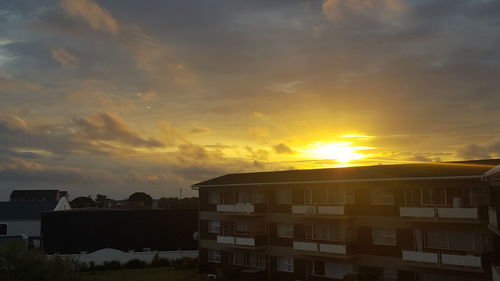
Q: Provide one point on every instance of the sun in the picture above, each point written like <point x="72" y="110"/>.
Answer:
<point x="342" y="152"/>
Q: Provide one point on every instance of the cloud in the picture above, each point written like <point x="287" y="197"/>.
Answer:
<point x="109" y="126"/>
<point x="258" y="132"/>
<point x="477" y="151"/>
<point x="337" y="10"/>
<point x="92" y="14"/>
<point x="283" y="149"/>
<point x="66" y="59"/>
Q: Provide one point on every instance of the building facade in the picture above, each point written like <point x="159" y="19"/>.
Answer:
<point x="414" y="222"/>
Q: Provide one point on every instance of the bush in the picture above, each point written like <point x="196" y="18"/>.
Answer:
<point x="111" y="265"/>
<point x="134" y="264"/>
<point x="159" y="262"/>
<point x="18" y="263"/>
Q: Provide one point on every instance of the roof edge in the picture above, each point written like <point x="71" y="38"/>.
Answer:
<point x="198" y="185"/>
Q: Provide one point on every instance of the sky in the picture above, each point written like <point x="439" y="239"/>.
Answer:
<point x="116" y="96"/>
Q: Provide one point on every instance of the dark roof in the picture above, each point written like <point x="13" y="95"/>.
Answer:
<point x="46" y="195"/>
<point x="420" y="170"/>
<point x="25" y="210"/>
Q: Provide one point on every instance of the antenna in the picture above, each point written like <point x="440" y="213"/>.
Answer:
<point x="180" y="193"/>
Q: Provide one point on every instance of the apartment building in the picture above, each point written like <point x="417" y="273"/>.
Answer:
<point x="411" y="222"/>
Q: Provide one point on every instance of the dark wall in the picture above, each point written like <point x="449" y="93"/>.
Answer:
<point x="69" y="232"/>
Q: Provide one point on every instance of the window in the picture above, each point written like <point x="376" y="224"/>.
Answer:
<point x="331" y="269"/>
<point x="249" y="260"/>
<point x="214" y="256"/>
<point x="383" y="196"/>
<point x="3" y="229"/>
<point x="214" y="197"/>
<point x="285" y="264"/>
<point x="285" y="230"/>
<point x="450" y="240"/>
<point x="329" y="232"/>
<point x="283" y="197"/>
<point x="250" y="197"/>
<point x="390" y="274"/>
<point x="434" y="196"/>
<point x="241" y="227"/>
<point x="384" y="236"/>
<point x="340" y="195"/>
<point x="214" y="227"/>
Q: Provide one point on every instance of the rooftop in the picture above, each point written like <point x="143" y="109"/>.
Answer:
<point x="25" y="210"/>
<point x="379" y="172"/>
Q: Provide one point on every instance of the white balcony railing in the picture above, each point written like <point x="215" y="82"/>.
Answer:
<point x="225" y="239"/>
<point x="243" y="241"/>
<point x="333" y="249"/>
<point x="415" y="256"/>
<point x="416" y="212"/>
<point x="303" y="209"/>
<point x="493" y="219"/>
<point x="461" y="260"/>
<point x="461" y="213"/>
<point x="330" y="210"/>
<point x="244" y="208"/>
<point x="305" y="246"/>
<point x="495" y="272"/>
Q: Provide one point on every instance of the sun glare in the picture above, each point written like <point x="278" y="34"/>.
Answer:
<point x="342" y="152"/>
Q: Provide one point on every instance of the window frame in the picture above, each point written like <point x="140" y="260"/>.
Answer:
<point x="287" y="266"/>
<point x="385" y="236"/>
<point x="282" y="198"/>
<point x="211" y="229"/>
<point x="286" y="225"/>
<point x="214" y="256"/>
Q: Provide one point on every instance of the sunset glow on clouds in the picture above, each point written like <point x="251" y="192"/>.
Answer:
<point x="119" y="96"/>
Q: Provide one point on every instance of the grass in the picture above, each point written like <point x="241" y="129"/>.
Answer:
<point x="146" y="274"/>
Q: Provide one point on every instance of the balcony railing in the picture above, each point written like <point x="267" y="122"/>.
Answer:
<point x="493" y="218"/>
<point x="442" y="258"/>
<point x="459" y="213"/>
<point x="495" y="272"/>
<point x="318" y="210"/>
<point x="333" y="249"/>
<point x="416" y="256"/>
<point x="225" y="239"/>
<point x="305" y="246"/>
<point x="240" y="208"/>
<point x="330" y="210"/>
<point x="416" y="212"/>
<point x="461" y="260"/>
<point x="303" y="209"/>
<point x="238" y="241"/>
<point x="445" y="213"/>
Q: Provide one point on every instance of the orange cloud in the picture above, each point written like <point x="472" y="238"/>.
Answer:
<point x="92" y="14"/>
<point x="65" y="58"/>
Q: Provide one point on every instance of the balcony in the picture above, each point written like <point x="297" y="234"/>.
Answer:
<point x="330" y="210"/>
<point x="469" y="261"/>
<point x="238" y="208"/>
<point x="415" y="256"/>
<point x="495" y="273"/>
<point x="461" y="260"/>
<point x="458" y="213"/>
<point x="236" y="241"/>
<point x="493" y="220"/>
<point x="303" y="210"/>
<point x="322" y="210"/>
<point x="333" y="249"/>
<point x="305" y="246"/>
<point x="439" y="213"/>
<point x="416" y="212"/>
<point x="225" y="239"/>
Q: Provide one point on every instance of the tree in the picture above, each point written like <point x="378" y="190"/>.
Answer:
<point x="18" y="263"/>
<point x="146" y="199"/>
<point x="82" y="202"/>
<point x="176" y="203"/>
<point x="102" y="201"/>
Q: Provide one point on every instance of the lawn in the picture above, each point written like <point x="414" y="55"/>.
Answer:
<point x="147" y="274"/>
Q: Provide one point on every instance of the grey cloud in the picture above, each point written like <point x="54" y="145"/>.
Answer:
<point x="283" y="149"/>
